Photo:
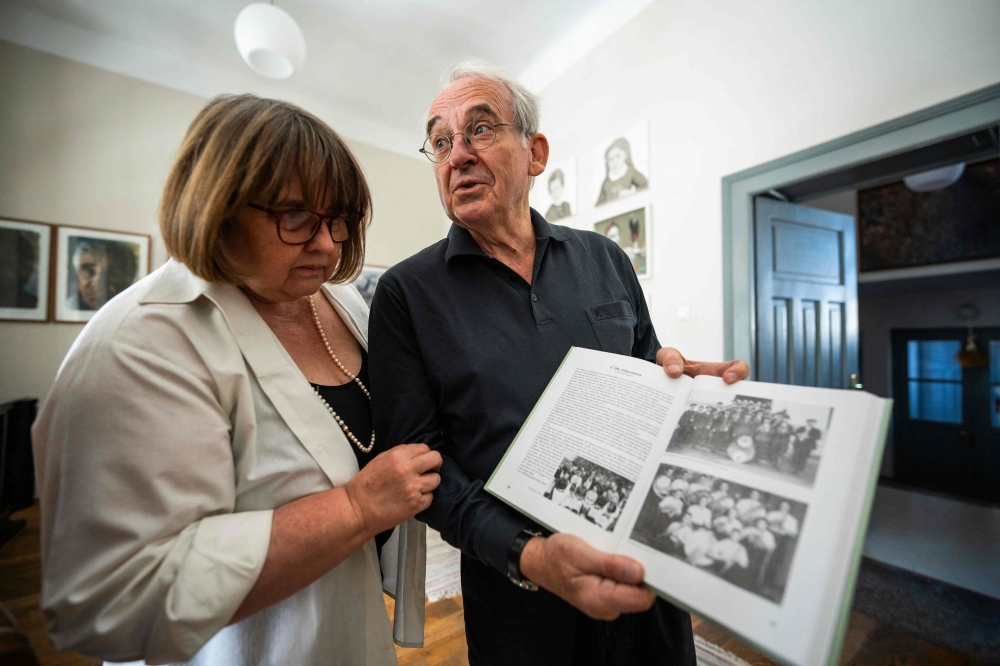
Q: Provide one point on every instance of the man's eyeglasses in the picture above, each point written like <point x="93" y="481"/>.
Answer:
<point x="297" y="226"/>
<point x="478" y="135"/>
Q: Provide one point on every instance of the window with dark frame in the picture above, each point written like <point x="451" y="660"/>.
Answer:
<point x="934" y="381"/>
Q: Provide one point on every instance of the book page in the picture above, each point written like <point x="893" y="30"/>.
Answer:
<point x="751" y="514"/>
<point x="602" y="421"/>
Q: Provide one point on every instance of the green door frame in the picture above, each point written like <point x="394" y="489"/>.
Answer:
<point x="961" y="115"/>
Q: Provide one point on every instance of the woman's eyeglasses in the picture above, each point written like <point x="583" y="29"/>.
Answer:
<point x="297" y="226"/>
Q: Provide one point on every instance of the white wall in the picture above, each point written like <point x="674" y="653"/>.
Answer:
<point x="83" y="146"/>
<point x="729" y="84"/>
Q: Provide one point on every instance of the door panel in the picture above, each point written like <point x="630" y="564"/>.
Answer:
<point x="782" y="338"/>
<point x="945" y="439"/>
<point x="807" y="295"/>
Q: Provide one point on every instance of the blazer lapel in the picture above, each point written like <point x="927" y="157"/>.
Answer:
<point x="286" y="386"/>
<point x="351" y="307"/>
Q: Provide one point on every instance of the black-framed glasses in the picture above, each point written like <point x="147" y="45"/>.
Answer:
<point x="478" y="135"/>
<point x="297" y="226"/>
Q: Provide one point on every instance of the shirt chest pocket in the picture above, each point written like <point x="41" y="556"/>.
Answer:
<point x="614" y="325"/>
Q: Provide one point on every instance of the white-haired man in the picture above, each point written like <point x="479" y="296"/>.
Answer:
<point x="464" y="337"/>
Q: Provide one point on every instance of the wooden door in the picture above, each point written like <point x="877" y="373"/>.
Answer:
<point x="807" y="296"/>
<point x="946" y="419"/>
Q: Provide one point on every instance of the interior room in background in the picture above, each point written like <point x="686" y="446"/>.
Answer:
<point x="901" y="228"/>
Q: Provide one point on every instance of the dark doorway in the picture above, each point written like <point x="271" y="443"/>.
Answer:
<point x="946" y="418"/>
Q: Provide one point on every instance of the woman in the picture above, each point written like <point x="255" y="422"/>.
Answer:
<point x="198" y="457"/>
<point x="621" y="178"/>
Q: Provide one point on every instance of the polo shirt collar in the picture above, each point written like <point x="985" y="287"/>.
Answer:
<point x="461" y="242"/>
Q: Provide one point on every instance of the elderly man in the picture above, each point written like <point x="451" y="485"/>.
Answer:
<point x="464" y="337"/>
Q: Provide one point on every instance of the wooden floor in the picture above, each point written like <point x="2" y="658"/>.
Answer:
<point x="869" y="642"/>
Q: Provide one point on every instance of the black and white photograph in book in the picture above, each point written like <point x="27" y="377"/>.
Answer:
<point x="594" y="492"/>
<point x="777" y="439"/>
<point x="740" y="534"/>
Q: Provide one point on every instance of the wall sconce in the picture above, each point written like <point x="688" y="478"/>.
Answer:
<point x="971" y="355"/>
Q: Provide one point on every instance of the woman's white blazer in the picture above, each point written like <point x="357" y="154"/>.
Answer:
<point x="175" y="426"/>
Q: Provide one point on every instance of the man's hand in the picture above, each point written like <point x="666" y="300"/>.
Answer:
<point x="602" y="586"/>
<point x="676" y="365"/>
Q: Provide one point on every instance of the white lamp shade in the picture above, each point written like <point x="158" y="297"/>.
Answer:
<point x="270" y="41"/>
<point x="935" y="179"/>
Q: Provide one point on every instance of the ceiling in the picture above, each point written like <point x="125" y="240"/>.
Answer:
<point x="372" y="67"/>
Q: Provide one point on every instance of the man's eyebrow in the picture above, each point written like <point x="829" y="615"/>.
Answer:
<point x="485" y="110"/>
<point x="477" y="110"/>
<point x="431" y="123"/>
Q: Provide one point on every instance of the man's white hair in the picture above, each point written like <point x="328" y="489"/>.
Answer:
<point x="525" y="102"/>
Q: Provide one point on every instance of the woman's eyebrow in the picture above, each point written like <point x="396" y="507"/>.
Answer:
<point x="289" y="203"/>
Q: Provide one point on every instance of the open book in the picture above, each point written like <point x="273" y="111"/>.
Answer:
<point x="746" y="504"/>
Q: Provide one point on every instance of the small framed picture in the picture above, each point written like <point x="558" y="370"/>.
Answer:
<point x="24" y="270"/>
<point x="367" y="282"/>
<point x="622" y="164"/>
<point x="94" y="266"/>
<point x="631" y="231"/>
<point x="554" y="193"/>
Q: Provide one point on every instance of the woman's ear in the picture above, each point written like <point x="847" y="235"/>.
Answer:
<point x="539" y="154"/>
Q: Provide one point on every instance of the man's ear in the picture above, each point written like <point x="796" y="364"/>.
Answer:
<point x="539" y="153"/>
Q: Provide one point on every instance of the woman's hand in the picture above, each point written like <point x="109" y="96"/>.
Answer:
<point x="311" y="535"/>
<point x="394" y="486"/>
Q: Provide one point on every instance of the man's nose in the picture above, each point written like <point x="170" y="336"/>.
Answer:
<point x="462" y="154"/>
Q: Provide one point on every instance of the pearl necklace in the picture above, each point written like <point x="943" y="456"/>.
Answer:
<point x="354" y="378"/>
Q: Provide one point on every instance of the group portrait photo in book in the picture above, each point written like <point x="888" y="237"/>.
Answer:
<point x="594" y="492"/>
<point x="779" y="439"/>
<point x="740" y="534"/>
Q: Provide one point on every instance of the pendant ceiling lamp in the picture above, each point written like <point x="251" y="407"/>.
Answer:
<point x="935" y="179"/>
<point x="270" y="41"/>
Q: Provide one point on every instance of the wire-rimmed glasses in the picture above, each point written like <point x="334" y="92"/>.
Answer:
<point x="297" y="226"/>
<point x="478" y="135"/>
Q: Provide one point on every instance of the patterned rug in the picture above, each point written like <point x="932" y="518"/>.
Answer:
<point x="444" y="581"/>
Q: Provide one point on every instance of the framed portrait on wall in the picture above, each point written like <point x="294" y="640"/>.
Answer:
<point x="94" y="266"/>
<point x="367" y="282"/>
<point x="622" y="164"/>
<point x="630" y="230"/>
<point x="24" y="270"/>
<point x="554" y="193"/>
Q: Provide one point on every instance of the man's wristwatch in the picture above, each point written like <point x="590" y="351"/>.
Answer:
<point x="514" y="560"/>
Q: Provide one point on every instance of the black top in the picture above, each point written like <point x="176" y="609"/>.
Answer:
<point x="352" y="405"/>
<point x="462" y="348"/>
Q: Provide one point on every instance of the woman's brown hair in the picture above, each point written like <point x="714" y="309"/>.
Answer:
<point x="242" y="148"/>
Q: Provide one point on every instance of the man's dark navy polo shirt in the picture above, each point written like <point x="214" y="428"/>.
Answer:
<point x="461" y="348"/>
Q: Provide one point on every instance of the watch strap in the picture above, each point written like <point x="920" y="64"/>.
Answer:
<point x="514" y="560"/>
